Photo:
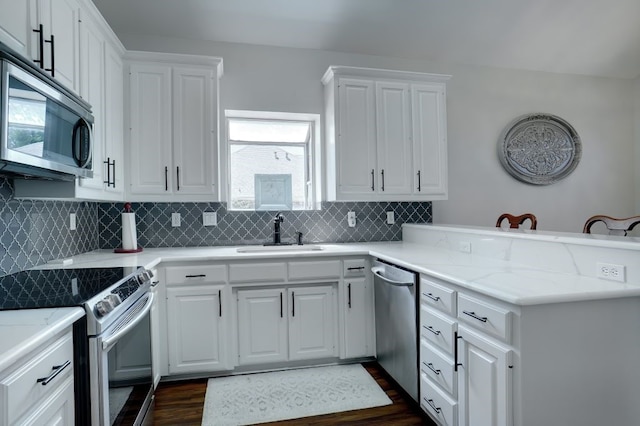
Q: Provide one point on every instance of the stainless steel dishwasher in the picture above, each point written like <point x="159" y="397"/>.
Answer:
<point x="396" y="324"/>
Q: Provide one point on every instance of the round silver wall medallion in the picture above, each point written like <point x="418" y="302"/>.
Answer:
<point x="539" y="148"/>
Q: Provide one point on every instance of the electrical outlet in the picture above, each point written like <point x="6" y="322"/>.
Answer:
<point x="611" y="271"/>
<point x="72" y="221"/>
<point x="175" y="219"/>
<point x="391" y="218"/>
<point x="209" y="219"/>
<point x="351" y="219"/>
<point x="464" y="246"/>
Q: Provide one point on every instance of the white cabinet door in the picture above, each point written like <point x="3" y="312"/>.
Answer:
<point x="16" y="27"/>
<point x="193" y="135"/>
<point x="484" y="381"/>
<point x="262" y="326"/>
<point x="356" y="142"/>
<point x="92" y="90"/>
<point x="358" y="318"/>
<point x="429" y="140"/>
<point x="393" y="138"/>
<point x="312" y="322"/>
<point x="150" y="129"/>
<point x="60" y="19"/>
<point x="58" y="410"/>
<point x="196" y="329"/>
<point x="113" y="119"/>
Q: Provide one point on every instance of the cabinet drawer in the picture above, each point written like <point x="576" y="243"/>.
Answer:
<point x="21" y="389"/>
<point x="354" y="268"/>
<point x="438" y="367"/>
<point x="437" y="329"/>
<point x="438" y="296"/>
<point x="193" y="274"/>
<point x="437" y="404"/>
<point x="258" y="272"/>
<point x="490" y="319"/>
<point x="313" y="270"/>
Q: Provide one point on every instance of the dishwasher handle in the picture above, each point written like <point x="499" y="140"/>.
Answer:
<point x="378" y="270"/>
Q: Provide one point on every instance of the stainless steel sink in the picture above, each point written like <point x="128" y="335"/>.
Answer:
<point x="279" y="249"/>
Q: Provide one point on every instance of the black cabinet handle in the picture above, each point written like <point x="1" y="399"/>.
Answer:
<point x="293" y="304"/>
<point x="108" y="163"/>
<point x="355" y="268"/>
<point x="196" y="276"/>
<point x="281" y="312"/>
<point x="382" y="187"/>
<point x="473" y="315"/>
<point x="57" y="369"/>
<point x="349" y="294"/>
<point x="373" y="180"/>
<point x="430" y="328"/>
<point x="432" y="297"/>
<point x="113" y="163"/>
<point x="433" y="405"/>
<point x="40" y="60"/>
<point x="419" y="181"/>
<point x="456" y="364"/>
<point x="220" y="303"/>
<point x="178" y="177"/>
<point x="166" y="178"/>
<point x="431" y="367"/>
<point x="53" y="66"/>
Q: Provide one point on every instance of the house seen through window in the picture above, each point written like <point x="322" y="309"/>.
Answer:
<point x="270" y="161"/>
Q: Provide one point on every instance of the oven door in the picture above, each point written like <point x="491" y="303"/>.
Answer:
<point x="120" y="368"/>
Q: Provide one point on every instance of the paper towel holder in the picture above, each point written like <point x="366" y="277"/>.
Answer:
<point x="138" y="249"/>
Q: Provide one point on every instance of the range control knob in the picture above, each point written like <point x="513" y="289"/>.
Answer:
<point x="113" y="299"/>
<point x="103" y="307"/>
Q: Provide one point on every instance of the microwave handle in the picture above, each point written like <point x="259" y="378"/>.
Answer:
<point x="79" y="124"/>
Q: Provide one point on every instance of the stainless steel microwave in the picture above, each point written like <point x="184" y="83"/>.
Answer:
<point x="45" y="130"/>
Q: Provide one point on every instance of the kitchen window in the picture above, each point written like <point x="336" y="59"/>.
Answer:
<point x="273" y="160"/>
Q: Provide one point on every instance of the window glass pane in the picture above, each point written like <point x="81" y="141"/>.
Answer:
<point x="248" y="160"/>
<point x="268" y="131"/>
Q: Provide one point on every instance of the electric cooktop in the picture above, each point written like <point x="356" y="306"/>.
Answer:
<point x="55" y="288"/>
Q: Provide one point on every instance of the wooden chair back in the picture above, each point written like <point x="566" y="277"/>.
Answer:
<point x="614" y="225"/>
<point x="516" y="221"/>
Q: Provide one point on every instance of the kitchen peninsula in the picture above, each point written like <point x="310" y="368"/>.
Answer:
<point x="522" y="312"/>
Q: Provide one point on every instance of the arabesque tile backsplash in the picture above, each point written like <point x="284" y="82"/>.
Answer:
<point x="34" y="232"/>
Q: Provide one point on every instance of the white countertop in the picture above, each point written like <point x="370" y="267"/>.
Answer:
<point x="23" y="331"/>
<point x="515" y="283"/>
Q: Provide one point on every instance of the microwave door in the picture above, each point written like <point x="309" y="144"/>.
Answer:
<point x="26" y="119"/>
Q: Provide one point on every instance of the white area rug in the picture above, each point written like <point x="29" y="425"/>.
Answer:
<point x="291" y="394"/>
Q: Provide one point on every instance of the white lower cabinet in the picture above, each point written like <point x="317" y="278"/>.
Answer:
<point x="262" y="326"/>
<point x="484" y="380"/>
<point x="286" y="324"/>
<point x="38" y="390"/>
<point x="196" y="329"/>
<point x="465" y="371"/>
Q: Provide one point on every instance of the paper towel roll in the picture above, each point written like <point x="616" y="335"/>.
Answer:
<point x="129" y="235"/>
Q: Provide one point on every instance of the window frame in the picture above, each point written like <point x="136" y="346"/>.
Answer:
<point x="313" y="151"/>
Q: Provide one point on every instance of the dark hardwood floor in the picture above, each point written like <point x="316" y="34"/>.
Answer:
<point x="180" y="403"/>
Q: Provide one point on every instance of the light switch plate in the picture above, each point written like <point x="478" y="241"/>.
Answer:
<point x="72" y="221"/>
<point x="351" y="219"/>
<point x="209" y="219"/>
<point x="175" y="219"/>
<point x="391" y="218"/>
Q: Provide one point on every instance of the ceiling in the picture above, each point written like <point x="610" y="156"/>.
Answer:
<point x="590" y="37"/>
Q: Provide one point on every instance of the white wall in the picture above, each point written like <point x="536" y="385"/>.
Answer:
<point x="480" y="103"/>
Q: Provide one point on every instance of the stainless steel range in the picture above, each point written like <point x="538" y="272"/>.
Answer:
<point x="112" y="343"/>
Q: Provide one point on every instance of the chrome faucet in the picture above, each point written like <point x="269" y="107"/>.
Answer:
<point x="277" y="220"/>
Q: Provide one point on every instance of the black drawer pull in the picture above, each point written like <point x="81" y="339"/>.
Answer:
<point x="433" y="405"/>
<point x="430" y="367"/>
<point x="473" y="315"/>
<point x="355" y="268"/>
<point x="432" y="297"/>
<point x="57" y="369"/>
<point x="196" y="276"/>
<point x="436" y="332"/>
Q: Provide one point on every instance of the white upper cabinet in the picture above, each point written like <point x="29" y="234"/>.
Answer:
<point x="15" y="27"/>
<point x="386" y="135"/>
<point x="173" y="129"/>
<point x="47" y="32"/>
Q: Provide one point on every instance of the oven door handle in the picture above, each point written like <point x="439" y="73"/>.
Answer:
<point x="128" y="324"/>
